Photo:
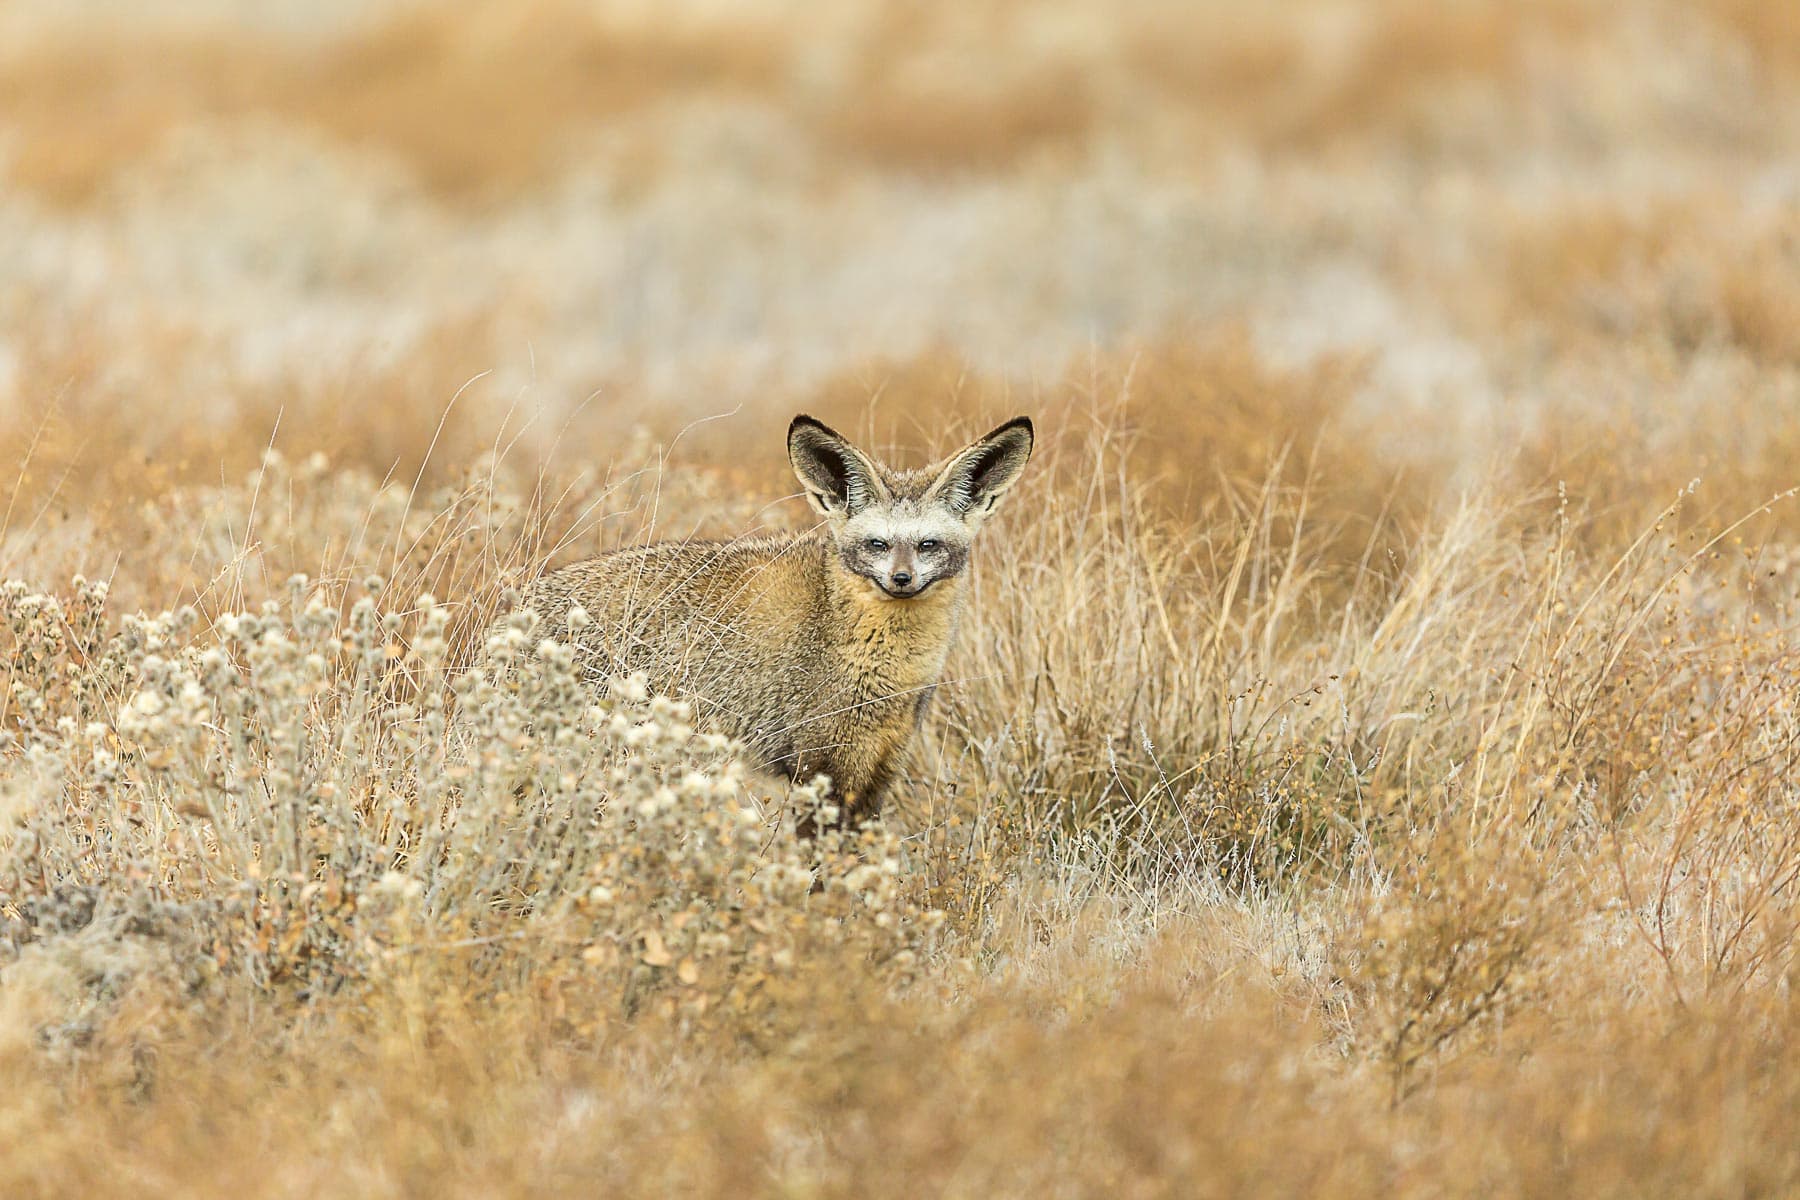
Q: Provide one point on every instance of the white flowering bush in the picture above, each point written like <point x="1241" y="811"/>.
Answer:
<point x="322" y="801"/>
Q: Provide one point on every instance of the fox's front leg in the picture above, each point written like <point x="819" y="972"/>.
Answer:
<point x="862" y="798"/>
<point x="802" y="767"/>
<point x="857" y="787"/>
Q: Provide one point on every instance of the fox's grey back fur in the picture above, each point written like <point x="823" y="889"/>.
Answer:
<point x="820" y="652"/>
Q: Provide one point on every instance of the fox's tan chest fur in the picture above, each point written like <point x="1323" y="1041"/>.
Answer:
<point x="889" y="649"/>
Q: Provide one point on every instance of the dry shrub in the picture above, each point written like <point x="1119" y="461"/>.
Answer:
<point x="482" y="101"/>
<point x="485" y="101"/>
<point x="1456" y="947"/>
<point x="929" y="93"/>
<point x="1207" y="421"/>
<point x="1769" y="30"/>
<point x="300" y="792"/>
<point x="476" y="99"/>
<point x="1587" y="268"/>
<point x="1685" y="276"/>
<point x="1297" y="81"/>
<point x="1622" y="462"/>
<point x="102" y="431"/>
<point x="78" y="112"/>
<point x="1651" y="341"/>
<point x="1170" y="1083"/>
<point x="1760" y="301"/>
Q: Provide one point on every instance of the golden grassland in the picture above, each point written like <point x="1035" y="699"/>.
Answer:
<point x="1367" y="767"/>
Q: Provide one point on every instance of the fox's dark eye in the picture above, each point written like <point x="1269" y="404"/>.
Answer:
<point x="929" y="544"/>
<point x="876" y="544"/>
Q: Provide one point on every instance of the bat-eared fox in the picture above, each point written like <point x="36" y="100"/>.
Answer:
<point x="819" y="651"/>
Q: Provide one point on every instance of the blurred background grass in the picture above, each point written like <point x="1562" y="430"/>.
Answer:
<point x="1488" y="225"/>
<point x="1367" y="763"/>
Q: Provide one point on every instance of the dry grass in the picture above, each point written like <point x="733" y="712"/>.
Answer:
<point x="473" y="101"/>
<point x="483" y="100"/>
<point x="1368" y="765"/>
<point x="1314" y="841"/>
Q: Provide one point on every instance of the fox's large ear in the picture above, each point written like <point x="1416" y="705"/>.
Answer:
<point x="973" y="481"/>
<point x="840" y="480"/>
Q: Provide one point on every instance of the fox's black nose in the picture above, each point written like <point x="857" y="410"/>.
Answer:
<point x="902" y="578"/>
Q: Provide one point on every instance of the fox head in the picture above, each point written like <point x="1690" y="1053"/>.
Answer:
<point x="903" y="531"/>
